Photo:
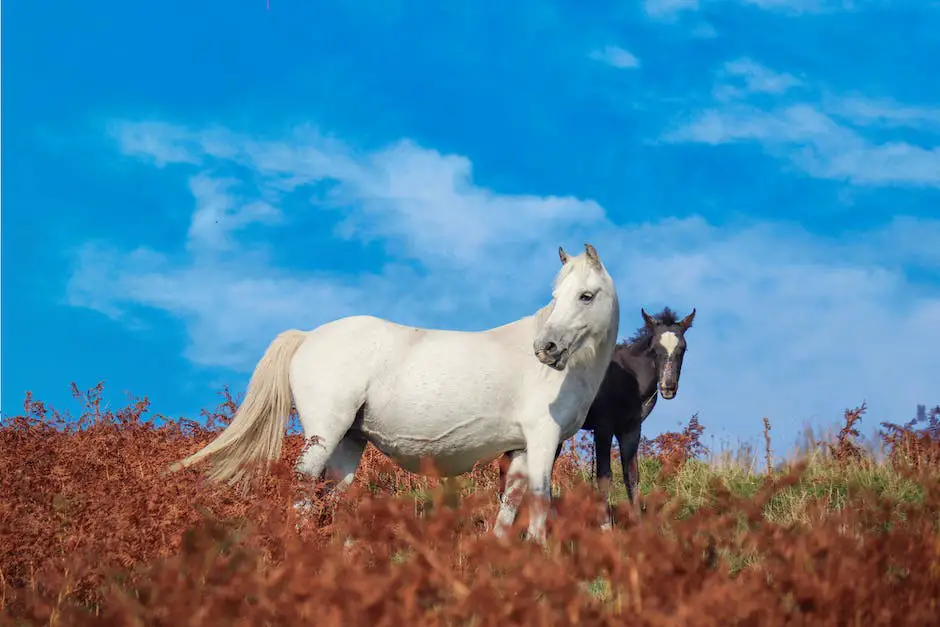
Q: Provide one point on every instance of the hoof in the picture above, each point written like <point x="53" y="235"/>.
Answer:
<point x="303" y="509"/>
<point x="539" y="537"/>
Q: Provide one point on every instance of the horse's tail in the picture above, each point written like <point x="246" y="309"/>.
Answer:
<point x="257" y="430"/>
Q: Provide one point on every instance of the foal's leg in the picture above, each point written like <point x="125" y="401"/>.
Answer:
<point x="553" y="511"/>
<point x="629" y="442"/>
<point x="603" y="440"/>
<point x="514" y="487"/>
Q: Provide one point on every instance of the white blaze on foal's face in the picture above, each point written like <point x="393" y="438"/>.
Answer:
<point x="669" y="341"/>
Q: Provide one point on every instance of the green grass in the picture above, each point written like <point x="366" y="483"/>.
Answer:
<point x="823" y="479"/>
<point x="692" y="487"/>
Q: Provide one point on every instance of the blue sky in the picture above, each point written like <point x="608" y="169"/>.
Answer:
<point x="182" y="181"/>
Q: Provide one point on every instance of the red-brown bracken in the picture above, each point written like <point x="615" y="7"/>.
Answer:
<point x="94" y="532"/>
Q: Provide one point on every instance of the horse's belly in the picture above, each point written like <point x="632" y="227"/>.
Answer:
<point x="445" y="466"/>
<point x="451" y="442"/>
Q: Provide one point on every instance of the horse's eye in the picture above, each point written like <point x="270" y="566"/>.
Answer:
<point x="587" y="297"/>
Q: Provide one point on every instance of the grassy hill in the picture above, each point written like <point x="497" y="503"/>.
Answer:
<point x="93" y="533"/>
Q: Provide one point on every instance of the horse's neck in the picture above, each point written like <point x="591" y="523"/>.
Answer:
<point x="643" y="366"/>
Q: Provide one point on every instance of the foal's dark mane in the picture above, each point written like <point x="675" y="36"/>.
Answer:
<point x="640" y="340"/>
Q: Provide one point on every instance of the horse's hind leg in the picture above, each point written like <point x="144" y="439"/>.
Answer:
<point x="329" y="449"/>
<point x="343" y="463"/>
<point x="337" y="467"/>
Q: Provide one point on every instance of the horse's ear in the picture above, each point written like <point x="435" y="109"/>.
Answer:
<point x="562" y="255"/>
<point x="592" y="255"/>
<point x="686" y="322"/>
<point x="648" y="319"/>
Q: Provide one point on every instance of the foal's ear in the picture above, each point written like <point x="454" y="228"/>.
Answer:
<point x="648" y="319"/>
<point x="686" y="322"/>
<point x="592" y="255"/>
<point x="562" y="255"/>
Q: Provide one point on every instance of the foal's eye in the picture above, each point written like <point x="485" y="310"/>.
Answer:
<point x="586" y="297"/>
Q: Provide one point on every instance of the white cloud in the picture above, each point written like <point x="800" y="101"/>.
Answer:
<point x="789" y="325"/>
<point x="423" y="206"/>
<point x="882" y="112"/>
<point x="754" y="78"/>
<point x="798" y="7"/>
<point x="159" y="142"/>
<point x="704" y="30"/>
<point x="668" y="10"/>
<point x="615" y="57"/>
<point x="218" y="213"/>
<point x="818" y="135"/>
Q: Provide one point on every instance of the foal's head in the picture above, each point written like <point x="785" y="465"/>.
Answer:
<point x="667" y="347"/>
<point x="584" y="313"/>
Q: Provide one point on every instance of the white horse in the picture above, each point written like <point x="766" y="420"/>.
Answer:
<point x="450" y="397"/>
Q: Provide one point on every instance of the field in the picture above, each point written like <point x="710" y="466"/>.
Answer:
<point x="93" y="533"/>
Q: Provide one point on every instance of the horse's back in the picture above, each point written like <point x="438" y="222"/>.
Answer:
<point x="345" y="353"/>
<point x="371" y="350"/>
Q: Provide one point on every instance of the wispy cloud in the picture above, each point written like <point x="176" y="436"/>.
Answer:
<point x="670" y="9"/>
<point x="798" y="7"/>
<point x="790" y="325"/>
<point x="615" y="56"/>
<point x="704" y="30"/>
<point x="421" y="205"/>
<point x="745" y="77"/>
<point x="883" y="112"/>
<point x="219" y="213"/>
<point x="817" y="132"/>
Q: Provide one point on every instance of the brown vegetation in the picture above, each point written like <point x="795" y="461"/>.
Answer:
<point x="917" y="443"/>
<point x="672" y="449"/>
<point x="92" y="532"/>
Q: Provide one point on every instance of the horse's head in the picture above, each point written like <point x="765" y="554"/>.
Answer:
<point x="668" y="348"/>
<point x="583" y="315"/>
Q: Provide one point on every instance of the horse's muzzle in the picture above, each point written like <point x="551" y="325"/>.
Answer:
<point x="551" y="355"/>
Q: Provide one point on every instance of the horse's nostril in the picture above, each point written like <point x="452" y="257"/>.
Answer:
<point x="549" y="347"/>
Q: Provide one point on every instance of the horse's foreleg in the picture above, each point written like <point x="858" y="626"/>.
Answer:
<point x="513" y="480"/>
<point x="629" y="442"/>
<point x="603" y="439"/>
<point x="540" y="457"/>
